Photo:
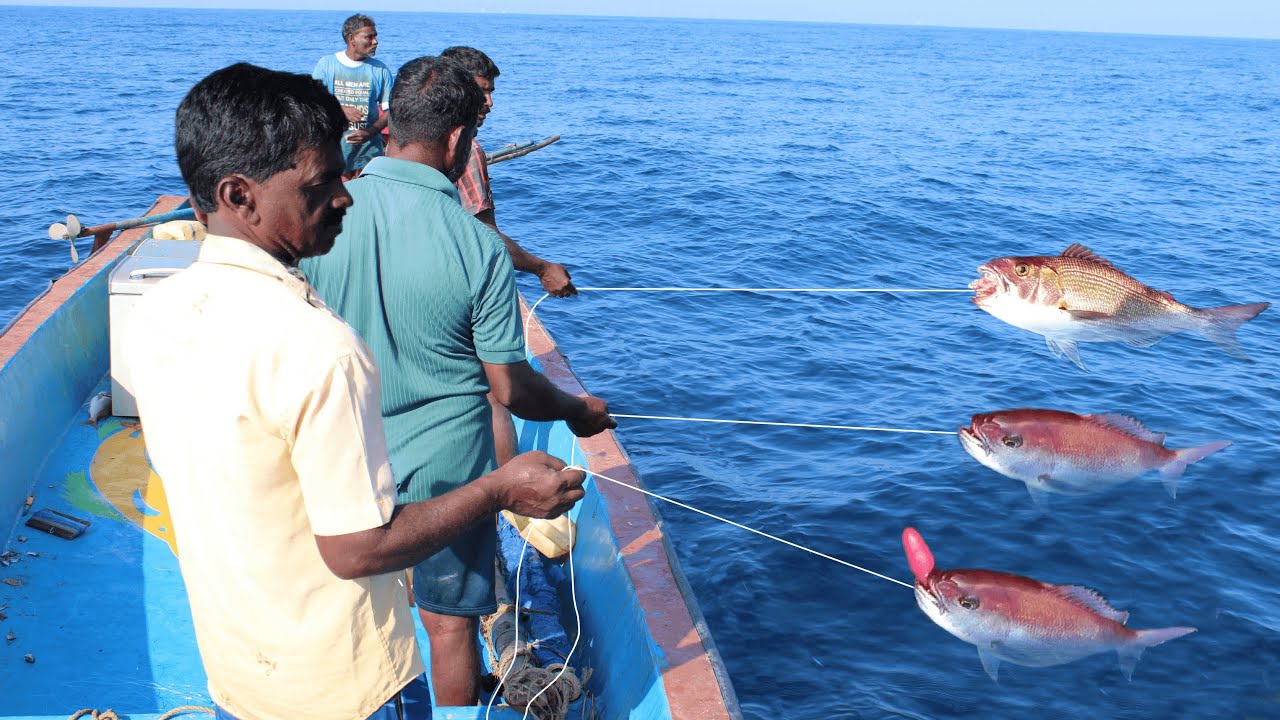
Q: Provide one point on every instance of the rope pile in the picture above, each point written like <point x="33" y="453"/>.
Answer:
<point x="524" y="680"/>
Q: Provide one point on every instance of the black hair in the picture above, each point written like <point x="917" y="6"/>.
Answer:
<point x="473" y="61"/>
<point x="353" y="24"/>
<point x="250" y="121"/>
<point x="430" y="97"/>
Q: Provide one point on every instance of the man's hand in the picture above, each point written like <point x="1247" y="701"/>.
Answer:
<point x="360" y="137"/>
<point x="594" y="420"/>
<point x="537" y="485"/>
<point x="354" y="114"/>
<point x="555" y="279"/>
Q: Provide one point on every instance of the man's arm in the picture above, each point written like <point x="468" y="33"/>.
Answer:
<point x="529" y="394"/>
<point x="533" y="484"/>
<point x="554" y="276"/>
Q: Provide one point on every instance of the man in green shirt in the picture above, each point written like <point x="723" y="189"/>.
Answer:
<point x="432" y="292"/>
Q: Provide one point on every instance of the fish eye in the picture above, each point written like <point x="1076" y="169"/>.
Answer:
<point x="1012" y="441"/>
<point x="1022" y="269"/>
<point x="969" y="603"/>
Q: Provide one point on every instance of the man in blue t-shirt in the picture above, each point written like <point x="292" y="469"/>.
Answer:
<point x="363" y="87"/>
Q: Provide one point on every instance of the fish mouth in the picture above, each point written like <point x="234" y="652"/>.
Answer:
<point x="991" y="283"/>
<point x="973" y="441"/>
<point x="925" y="594"/>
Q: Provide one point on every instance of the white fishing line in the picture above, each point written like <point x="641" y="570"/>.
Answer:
<point x="772" y="290"/>
<point x="577" y="617"/>
<point x="744" y="527"/>
<point x="785" y="424"/>
<point x="515" y="644"/>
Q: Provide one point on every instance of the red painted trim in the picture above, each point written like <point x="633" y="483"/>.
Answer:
<point x="65" y="286"/>
<point x="693" y="689"/>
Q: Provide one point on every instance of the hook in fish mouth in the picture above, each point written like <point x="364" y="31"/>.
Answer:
<point x="972" y="441"/>
<point x="925" y="594"/>
<point x="991" y="283"/>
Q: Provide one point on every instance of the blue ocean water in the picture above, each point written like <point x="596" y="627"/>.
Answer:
<point x="741" y="154"/>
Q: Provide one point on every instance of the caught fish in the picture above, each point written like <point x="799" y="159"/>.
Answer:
<point x="99" y="409"/>
<point x="1024" y="621"/>
<point x="1079" y="297"/>
<point x="1060" y="452"/>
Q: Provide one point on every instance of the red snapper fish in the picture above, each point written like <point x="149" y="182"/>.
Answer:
<point x="1079" y="297"/>
<point x="1060" y="452"/>
<point x="1025" y="621"/>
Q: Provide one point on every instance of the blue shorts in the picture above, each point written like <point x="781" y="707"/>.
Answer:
<point x="411" y="703"/>
<point x="458" y="580"/>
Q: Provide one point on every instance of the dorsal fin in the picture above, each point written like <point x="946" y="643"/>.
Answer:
<point x="1127" y="424"/>
<point x="1092" y="601"/>
<point x="1083" y="253"/>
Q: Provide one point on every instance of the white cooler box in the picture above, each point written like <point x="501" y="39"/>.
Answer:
<point x="151" y="262"/>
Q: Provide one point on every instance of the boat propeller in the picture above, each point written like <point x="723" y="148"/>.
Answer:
<point x="102" y="233"/>
<point x="69" y="232"/>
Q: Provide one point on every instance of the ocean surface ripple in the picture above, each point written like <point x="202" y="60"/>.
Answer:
<point x="743" y="154"/>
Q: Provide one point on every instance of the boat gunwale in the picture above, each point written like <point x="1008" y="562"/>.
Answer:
<point x="671" y="610"/>
<point x="28" y="320"/>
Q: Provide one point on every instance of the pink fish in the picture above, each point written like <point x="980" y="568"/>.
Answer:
<point x="1060" y="452"/>
<point x="1024" y="621"/>
<point x="1079" y="297"/>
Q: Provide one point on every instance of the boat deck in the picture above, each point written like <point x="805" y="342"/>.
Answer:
<point x="104" y="616"/>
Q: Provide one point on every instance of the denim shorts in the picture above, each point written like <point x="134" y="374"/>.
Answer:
<point x="411" y="703"/>
<point x="458" y="580"/>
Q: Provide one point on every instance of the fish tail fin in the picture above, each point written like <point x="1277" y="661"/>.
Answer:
<point x="1182" y="458"/>
<point x="1221" y="323"/>
<point x="1143" y="639"/>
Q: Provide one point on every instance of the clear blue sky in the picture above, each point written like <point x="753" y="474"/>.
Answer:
<point x="1223" y="18"/>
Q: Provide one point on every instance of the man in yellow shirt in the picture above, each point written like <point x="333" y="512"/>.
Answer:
<point x="261" y="411"/>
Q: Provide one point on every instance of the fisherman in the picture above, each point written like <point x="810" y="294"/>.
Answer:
<point x="261" y="410"/>
<point x="363" y="85"/>
<point x="433" y="292"/>
<point x="477" y="199"/>
<point x="473" y="186"/>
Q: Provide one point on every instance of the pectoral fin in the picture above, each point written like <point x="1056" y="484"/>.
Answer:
<point x="1067" y="348"/>
<point x="1039" y="497"/>
<point x="991" y="664"/>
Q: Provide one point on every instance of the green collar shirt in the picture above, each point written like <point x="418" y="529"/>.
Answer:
<point x="432" y="292"/>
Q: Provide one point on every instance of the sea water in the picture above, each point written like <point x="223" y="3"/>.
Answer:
<point x="751" y="154"/>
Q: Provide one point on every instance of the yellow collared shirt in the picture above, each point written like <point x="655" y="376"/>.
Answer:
<point x="260" y="409"/>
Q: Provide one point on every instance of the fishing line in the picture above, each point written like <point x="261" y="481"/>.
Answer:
<point x="529" y="318"/>
<point x="740" y="525"/>
<point x="784" y="424"/>
<point x="772" y="290"/>
<point x="577" y="616"/>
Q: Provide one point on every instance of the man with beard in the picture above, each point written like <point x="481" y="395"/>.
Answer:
<point x="432" y="292"/>
<point x="262" y="415"/>
<point x="473" y="186"/>
<point x="363" y="86"/>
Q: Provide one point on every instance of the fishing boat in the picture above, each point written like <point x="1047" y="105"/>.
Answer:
<point x="93" y="609"/>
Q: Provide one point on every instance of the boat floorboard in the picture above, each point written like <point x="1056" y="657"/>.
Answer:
<point x="104" y="616"/>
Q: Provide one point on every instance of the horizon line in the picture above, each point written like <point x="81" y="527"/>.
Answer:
<point x="134" y="5"/>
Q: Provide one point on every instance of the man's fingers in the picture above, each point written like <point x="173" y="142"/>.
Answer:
<point x="573" y="476"/>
